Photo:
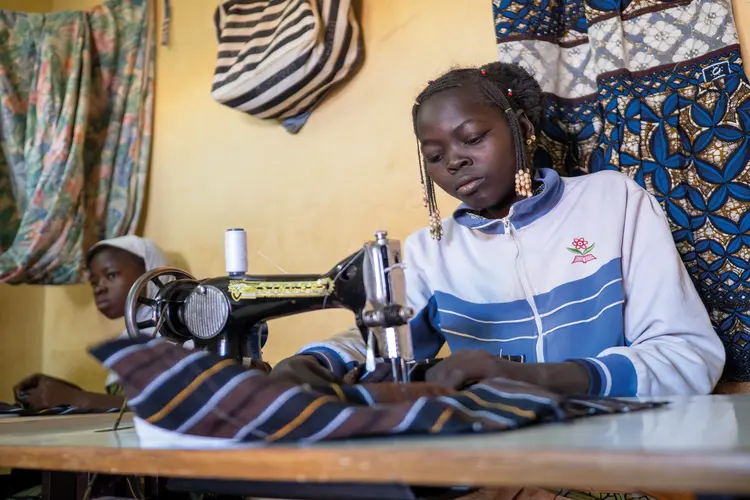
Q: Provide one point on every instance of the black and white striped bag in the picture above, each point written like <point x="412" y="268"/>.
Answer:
<point x="278" y="58"/>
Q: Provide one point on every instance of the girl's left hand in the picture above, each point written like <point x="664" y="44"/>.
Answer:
<point x="465" y="368"/>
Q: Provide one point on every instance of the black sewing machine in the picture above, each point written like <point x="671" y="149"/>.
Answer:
<point x="227" y="315"/>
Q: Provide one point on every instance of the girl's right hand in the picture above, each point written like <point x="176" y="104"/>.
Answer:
<point x="303" y="369"/>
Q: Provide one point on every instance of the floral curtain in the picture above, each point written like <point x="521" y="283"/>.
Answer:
<point x="76" y="96"/>
<point x="655" y="89"/>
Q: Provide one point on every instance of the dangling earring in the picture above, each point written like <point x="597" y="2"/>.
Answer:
<point x="428" y="193"/>
<point x="523" y="182"/>
<point x="436" y="224"/>
<point x="523" y="175"/>
<point x="428" y="200"/>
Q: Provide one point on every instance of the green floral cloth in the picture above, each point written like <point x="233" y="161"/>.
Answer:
<point x="76" y="111"/>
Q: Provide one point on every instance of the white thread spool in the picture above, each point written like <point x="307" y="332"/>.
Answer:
<point x="235" y="252"/>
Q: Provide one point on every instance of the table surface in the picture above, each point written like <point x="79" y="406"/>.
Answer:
<point x="699" y="444"/>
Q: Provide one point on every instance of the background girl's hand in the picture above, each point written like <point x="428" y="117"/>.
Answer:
<point x="42" y="391"/>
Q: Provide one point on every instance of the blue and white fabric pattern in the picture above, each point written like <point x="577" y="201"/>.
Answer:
<point x="656" y="90"/>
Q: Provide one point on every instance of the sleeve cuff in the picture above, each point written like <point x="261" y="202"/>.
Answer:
<point x="330" y="359"/>
<point x="610" y="375"/>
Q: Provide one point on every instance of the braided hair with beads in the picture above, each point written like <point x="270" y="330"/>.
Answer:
<point x="505" y="86"/>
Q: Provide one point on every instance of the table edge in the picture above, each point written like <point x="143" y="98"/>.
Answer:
<point x="710" y="472"/>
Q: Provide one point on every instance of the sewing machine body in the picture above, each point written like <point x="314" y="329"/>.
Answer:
<point x="219" y="313"/>
<point x="227" y="315"/>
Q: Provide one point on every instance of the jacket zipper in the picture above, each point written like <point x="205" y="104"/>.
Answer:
<point x="527" y="290"/>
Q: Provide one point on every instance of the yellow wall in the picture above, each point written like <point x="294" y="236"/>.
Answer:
<point x="20" y="334"/>
<point x="26" y="5"/>
<point x="306" y="200"/>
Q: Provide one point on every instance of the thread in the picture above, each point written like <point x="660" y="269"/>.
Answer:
<point x="235" y="252"/>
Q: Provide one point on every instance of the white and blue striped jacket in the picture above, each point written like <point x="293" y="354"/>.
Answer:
<point x="586" y="270"/>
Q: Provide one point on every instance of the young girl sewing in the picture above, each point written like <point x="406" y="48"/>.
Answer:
<point x="113" y="266"/>
<point x="578" y="275"/>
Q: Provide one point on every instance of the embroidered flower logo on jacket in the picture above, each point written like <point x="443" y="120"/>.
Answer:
<point x="582" y="251"/>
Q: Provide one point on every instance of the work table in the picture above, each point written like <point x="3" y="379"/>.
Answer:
<point x="699" y="444"/>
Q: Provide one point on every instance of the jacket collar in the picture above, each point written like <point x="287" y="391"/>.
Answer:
<point x="522" y="213"/>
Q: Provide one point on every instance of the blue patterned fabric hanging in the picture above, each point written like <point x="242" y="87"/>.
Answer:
<point x="656" y="90"/>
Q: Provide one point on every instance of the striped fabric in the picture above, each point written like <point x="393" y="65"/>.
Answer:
<point x="20" y="411"/>
<point x="278" y="58"/>
<point x="200" y="394"/>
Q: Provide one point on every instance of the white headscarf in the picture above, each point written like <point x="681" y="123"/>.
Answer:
<point x="152" y="257"/>
<point x="144" y="248"/>
<point x="141" y="247"/>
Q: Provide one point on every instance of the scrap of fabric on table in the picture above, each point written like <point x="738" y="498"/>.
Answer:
<point x="19" y="410"/>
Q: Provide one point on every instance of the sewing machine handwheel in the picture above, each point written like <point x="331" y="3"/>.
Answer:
<point x="137" y="297"/>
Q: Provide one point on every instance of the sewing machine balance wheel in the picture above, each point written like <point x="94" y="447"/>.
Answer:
<point x="139" y="302"/>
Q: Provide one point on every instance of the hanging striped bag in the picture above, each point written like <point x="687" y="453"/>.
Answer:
<point x="278" y="58"/>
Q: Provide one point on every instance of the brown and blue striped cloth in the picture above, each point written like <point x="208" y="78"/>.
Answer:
<point x="200" y="394"/>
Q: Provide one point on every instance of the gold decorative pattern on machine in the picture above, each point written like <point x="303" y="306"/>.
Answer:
<point x="243" y="289"/>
